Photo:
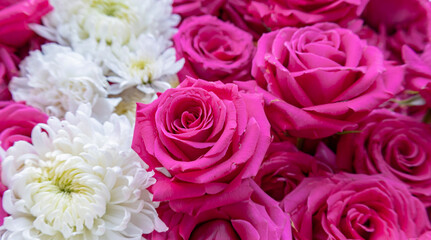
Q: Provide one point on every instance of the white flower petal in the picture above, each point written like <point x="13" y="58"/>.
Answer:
<point x="57" y="80"/>
<point x="148" y="65"/>
<point x="117" y="218"/>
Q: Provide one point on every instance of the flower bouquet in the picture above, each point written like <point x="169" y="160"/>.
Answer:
<point x="215" y="119"/>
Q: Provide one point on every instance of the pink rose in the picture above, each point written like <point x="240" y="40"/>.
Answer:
<point x="9" y="61"/>
<point x="425" y="236"/>
<point x="284" y="167"/>
<point x="407" y="103"/>
<point x="373" y="38"/>
<point x="319" y="80"/>
<point x="237" y="12"/>
<point x="296" y="13"/>
<point x="15" y="17"/>
<point x="234" y="11"/>
<point x="426" y="94"/>
<point x="394" y="145"/>
<point x="355" y="206"/>
<point x="4" y="91"/>
<point x="214" y="50"/>
<point x="418" y="67"/>
<point x="8" y="69"/>
<point x="400" y="22"/>
<point x="258" y="217"/>
<point x="17" y="121"/>
<point x="205" y="136"/>
<point x="418" y="73"/>
<point x="188" y="8"/>
<point x="16" y="38"/>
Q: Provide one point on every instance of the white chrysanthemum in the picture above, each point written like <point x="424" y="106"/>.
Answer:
<point x="107" y="21"/>
<point x="146" y="65"/>
<point x="57" y="80"/>
<point x="79" y="179"/>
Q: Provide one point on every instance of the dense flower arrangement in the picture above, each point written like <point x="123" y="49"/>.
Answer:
<point x="215" y="119"/>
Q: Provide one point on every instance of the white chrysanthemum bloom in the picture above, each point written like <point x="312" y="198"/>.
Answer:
<point x="107" y="21"/>
<point x="146" y="65"/>
<point x="57" y="80"/>
<point x="79" y="179"/>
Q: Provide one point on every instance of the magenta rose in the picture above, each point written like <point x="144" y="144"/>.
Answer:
<point x="277" y="14"/>
<point x="234" y="11"/>
<point x="418" y="67"/>
<point x="237" y="12"/>
<point x="8" y="69"/>
<point x="16" y="37"/>
<point x="400" y="22"/>
<point x="418" y="77"/>
<point x="426" y="94"/>
<point x="258" y="217"/>
<point x="319" y="80"/>
<point x="17" y="121"/>
<point x="214" y="50"/>
<point x="4" y="90"/>
<point x="418" y="71"/>
<point x="15" y="17"/>
<point x="355" y="206"/>
<point x="373" y="38"/>
<point x="394" y="145"/>
<point x="201" y="138"/>
<point x="284" y="167"/>
<point x="425" y="236"/>
<point x="408" y="103"/>
<point x="188" y="8"/>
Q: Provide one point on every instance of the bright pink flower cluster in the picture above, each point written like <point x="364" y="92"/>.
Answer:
<point x="294" y="111"/>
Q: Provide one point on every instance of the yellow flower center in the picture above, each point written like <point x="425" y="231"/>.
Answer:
<point x="65" y="182"/>
<point x="64" y="189"/>
<point x="111" y="8"/>
<point x="142" y="68"/>
<point x="139" y="65"/>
